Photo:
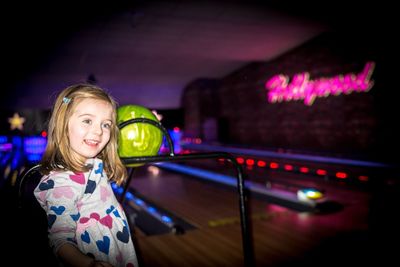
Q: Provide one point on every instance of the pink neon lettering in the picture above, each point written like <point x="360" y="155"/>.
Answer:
<point x="302" y="88"/>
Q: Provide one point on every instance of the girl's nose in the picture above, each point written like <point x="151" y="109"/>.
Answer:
<point x="97" y="129"/>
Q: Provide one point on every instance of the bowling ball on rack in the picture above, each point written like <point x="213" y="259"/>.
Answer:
<point x="140" y="138"/>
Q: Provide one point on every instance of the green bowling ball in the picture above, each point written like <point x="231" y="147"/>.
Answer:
<point x="138" y="139"/>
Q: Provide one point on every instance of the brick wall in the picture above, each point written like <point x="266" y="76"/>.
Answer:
<point x="359" y="124"/>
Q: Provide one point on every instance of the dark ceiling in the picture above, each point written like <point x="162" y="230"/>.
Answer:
<point x="145" y="52"/>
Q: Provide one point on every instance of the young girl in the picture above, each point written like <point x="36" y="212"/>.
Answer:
<point x="87" y="226"/>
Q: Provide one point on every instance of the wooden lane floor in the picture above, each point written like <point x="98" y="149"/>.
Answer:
<point x="281" y="237"/>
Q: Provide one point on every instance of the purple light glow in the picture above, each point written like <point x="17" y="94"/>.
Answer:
<point x="301" y="87"/>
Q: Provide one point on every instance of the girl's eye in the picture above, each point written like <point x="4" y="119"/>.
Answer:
<point x="107" y="125"/>
<point x="87" y="121"/>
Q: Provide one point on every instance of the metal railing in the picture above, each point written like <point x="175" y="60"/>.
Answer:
<point x="247" y="243"/>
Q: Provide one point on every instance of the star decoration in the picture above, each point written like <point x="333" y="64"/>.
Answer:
<point x="16" y="122"/>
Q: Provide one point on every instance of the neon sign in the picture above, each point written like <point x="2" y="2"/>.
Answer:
<point x="302" y="88"/>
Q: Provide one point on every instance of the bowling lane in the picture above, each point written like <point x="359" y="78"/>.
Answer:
<point x="278" y="186"/>
<point x="281" y="236"/>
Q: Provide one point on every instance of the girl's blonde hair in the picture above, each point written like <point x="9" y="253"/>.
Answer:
<point x="57" y="155"/>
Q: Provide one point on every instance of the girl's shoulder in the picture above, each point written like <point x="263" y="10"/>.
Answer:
<point x="65" y="177"/>
<point x="58" y="184"/>
<point x="58" y="174"/>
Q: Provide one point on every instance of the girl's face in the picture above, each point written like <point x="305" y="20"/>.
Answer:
<point x="89" y="127"/>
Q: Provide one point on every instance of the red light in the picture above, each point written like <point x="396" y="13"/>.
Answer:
<point x="240" y="160"/>
<point x="43" y="134"/>
<point x="177" y="130"/>
<point x="288" y="167"/>
<point x="250" y="162"/>
<point x="274" y="165"/>
<point x="321" y="172"/>
<point x="261" y="163"/>
<point x="304" y="169"/>
<point x="341" y="175"/>
<point x="363" y="178"/>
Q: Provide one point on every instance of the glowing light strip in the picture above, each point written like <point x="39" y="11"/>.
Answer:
<point x="279" y="155"/>
<point x="147" y="207"/>
<point x="302" y="88"/>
